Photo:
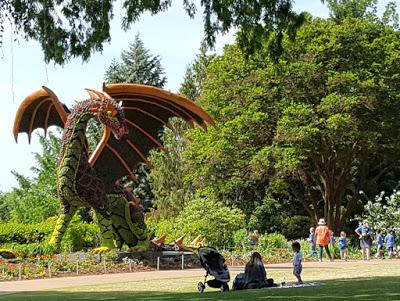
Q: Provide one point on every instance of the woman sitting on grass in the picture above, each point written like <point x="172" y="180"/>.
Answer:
<point x="255" y="275"/>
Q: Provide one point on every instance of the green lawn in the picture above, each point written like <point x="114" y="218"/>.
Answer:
<point x="345" y="283"/>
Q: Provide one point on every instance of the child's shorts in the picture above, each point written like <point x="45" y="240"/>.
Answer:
<point x="297" y="270"/>
<point x="390" y="249"/>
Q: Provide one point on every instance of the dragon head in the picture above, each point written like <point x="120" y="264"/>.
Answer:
<point x="109" y="113"/>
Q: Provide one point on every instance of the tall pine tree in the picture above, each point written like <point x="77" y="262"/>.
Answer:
<point x="138" y="66"/>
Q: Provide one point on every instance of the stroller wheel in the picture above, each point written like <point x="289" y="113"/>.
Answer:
<point x="200" y="287"/>
<point x="224" y="287"/>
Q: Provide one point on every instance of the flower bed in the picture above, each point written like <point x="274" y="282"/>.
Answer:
<point x="61" y="266"/>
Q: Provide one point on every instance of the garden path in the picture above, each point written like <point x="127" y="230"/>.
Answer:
<point x="65" y="282"/>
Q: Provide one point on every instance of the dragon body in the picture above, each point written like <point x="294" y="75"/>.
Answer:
<point x="132" y="128"/>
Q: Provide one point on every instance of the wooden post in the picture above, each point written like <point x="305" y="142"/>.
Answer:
<point x="130" y="266"/>
<point x="77" y="266"/>
<point x="158" y="263"/>
<point x="232" y="260"/>
<point x="104" y="265"/>
<point x="49" y="269"/>
<point x="20" y="271"/>
<point x="183" y="261"/>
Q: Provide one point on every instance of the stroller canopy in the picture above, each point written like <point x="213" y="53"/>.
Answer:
<point x="214" y="263"/>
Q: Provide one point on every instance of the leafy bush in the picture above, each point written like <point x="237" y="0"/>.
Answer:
<point x="160" y="227"/>
<point x="268" y="243"/>
<point x="32" y="238"/>
<point x="22" y="250"/>
<point x="25" y="233"/>
<point x="295" y="227"/>
<point x="264" y="217"/>
<point x="210" y="218"/>
<point x="241" y="241"/>
<point x="80" y="235"/>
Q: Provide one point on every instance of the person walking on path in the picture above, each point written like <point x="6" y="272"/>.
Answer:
<point x="343" y="246"/>
<point x="389" y="240"/>
<point x="322" y="234"/>
<point x="379" y="245"/>
<point x="364" y="232"/>
<point x="311" y="239"/>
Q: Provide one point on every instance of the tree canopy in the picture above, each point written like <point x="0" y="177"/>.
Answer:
<point x="68" y="29"/>
<point x="313" y="128"/>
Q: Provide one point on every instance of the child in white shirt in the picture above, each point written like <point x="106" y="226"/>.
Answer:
<point x="297" y="259"/>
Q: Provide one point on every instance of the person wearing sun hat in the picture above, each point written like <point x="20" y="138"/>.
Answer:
<point x="322" y="234"/>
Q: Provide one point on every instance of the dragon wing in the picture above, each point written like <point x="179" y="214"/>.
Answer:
<point x="41" y="109"/>
<point x="147" y="110"/>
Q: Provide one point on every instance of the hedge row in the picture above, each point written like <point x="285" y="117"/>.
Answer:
<point x="25" y="233"/>
<point x="32" y="238"/>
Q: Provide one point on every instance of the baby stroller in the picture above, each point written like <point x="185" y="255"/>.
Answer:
<point x="214" y="264"/>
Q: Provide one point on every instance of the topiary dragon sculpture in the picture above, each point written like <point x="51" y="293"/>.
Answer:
<point x="133" y="116"/>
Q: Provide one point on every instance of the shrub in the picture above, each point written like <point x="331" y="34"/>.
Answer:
<point x="264" y="217"/>
<point x="268" y="243"/>
<point x="241" y="241"/>
<point x="159" y="227"/>
<point x="22" y="250"/>
<point x="32" y="238"/>
<point x="25" y="233"/>
<point x="296" y="226"/>
<point x="210" y="218"/>
<point x="80" y="235"/>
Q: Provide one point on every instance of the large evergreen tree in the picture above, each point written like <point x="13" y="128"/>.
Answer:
<point x="137" y="65"/>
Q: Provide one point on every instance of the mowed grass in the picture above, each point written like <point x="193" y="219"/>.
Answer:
<point x="375" y="280"/>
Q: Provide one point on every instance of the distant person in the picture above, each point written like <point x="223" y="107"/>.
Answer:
<point x="311" y="240"/>
<point x="297" y="259"/>
<point x="322" y="235"/>
<point x="254" y="239"/>
<point x="332" y="243"/>
<point x="379" y="245"/>
<point x="364" y="232"/>
<point x="389" y="240"/>
<point x="343" y="246"/>
<point x="255" y="274"/>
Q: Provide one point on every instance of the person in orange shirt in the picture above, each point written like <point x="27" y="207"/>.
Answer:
<point x="322" y="234"/>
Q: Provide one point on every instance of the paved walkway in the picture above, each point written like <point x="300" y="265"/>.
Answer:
<point x="7" y="287"/>
<point x="64" y="282"/>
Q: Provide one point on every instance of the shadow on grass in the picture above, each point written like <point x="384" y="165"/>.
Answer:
<point x="376" y="289"/>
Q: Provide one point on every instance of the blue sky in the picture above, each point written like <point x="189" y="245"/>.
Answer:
<point x="172" y="35"/>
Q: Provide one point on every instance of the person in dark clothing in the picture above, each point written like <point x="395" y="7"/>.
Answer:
<point x="255" y="274"/>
